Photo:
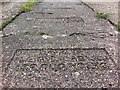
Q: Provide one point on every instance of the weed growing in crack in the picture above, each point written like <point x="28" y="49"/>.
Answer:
<point x="6" y="23"/>
<point x="28" y="6"/>
<point x="117" y="26"/>
<point x="102" y="16"/>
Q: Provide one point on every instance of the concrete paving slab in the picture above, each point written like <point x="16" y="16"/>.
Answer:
<point x="110" y="8"/>
<point x="83" y="11"/>
<point x="10" y="9"/>
<point x="33" y="34"/>
<point x="59" y="68"/>
<point x="1" y="55"/>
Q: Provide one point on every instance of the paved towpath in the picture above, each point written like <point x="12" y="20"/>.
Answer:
<point x="59" y="44"/>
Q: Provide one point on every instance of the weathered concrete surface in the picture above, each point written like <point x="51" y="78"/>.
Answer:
<point x="0" y="48"/>
<point x="61" y="0"/>
<point x="110" y="8"/>
<point x="10" y="10"/>
<point x="62" y="68"/>
<point x="100" y="0"/>
<point x="7" y="10"/>
<point x="54" y="38"/>
<point x="0" y="13"/>
<point x="1" y="60"/>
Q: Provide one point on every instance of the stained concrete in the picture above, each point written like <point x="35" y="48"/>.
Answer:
<point x="58" y="45"/>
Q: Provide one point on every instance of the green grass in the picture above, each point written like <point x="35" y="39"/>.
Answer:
<point x="117" y="26"/>
<point x="6" y="23"/>
<point x="102" y="16"/>
<point x="28" y="6"/>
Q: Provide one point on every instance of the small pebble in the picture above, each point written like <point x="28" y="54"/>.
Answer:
<point x="77" y="73"/>
<point x="63" y="35"/>
<point x="111" y="34"/>
<point x="29" y="19"/>
<point x="46" y="36"/>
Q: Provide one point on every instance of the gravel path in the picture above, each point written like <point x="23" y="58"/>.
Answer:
<point x="59" y="45"/>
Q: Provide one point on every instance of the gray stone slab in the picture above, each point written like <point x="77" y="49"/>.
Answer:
<point x="33" y="40"/>
<point x="58" y="25"/>
<point x="56" y="10"/>
<point x="1" y="58"/>
<point x="58" y="68"/>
